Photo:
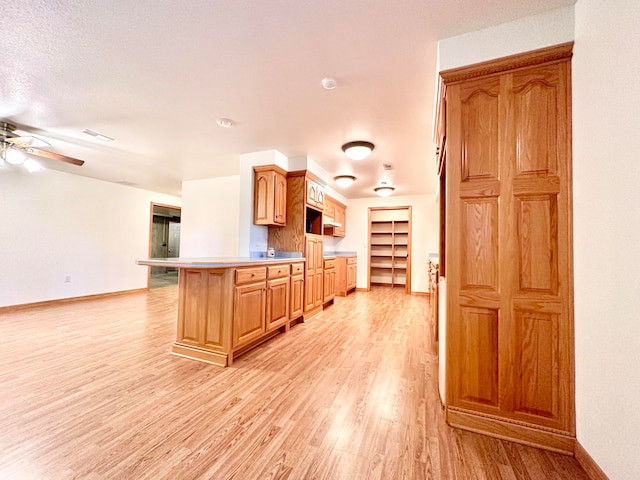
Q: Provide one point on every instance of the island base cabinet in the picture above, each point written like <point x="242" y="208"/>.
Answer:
<point x="224" y="312"/>
<point x="203" y="330"/>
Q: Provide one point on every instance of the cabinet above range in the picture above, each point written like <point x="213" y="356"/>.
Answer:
<point x="334" y="217"/>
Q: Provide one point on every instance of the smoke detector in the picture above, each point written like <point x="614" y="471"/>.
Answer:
<point x="329" y="83"/>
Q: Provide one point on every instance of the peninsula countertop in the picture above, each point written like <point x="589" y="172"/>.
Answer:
<point x="216" y="262"/>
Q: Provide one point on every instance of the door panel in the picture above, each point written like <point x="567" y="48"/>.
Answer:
<point x="479" y="364"/>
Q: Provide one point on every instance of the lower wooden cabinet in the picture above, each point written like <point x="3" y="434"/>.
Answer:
<point x="329" y="280"/>
<point x="297" y="291"/>
<point x="346" y="275"/>
<point x="314" y="292"/>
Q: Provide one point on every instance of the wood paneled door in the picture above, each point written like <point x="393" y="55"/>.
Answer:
<point x="509" y="263"/>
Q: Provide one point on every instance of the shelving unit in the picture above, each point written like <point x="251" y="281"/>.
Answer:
<point x="390" y="247"/>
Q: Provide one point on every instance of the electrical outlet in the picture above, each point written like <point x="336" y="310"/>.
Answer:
<point x="67" y="279"/>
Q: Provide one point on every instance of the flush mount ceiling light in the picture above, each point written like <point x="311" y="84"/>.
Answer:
<point x="225" y="122"/>
<point x="358" y="150"/>
<point x="344" y="180"/>
<point x="384" y="190"/>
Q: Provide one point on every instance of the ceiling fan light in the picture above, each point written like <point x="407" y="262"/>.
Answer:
<point x="344" y="181"/>
<point x="384" y="191"/>
<point x="358" y="150"/>
<point x="14" y="157"/>
<point x="31" y="165"/>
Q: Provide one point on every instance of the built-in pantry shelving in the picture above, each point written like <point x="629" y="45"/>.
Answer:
<point x="390" y="246"/>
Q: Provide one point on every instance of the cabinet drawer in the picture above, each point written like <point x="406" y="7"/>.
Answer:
<point x="297" y="268"/>
<point x="330" y="264"/>
<point x="278" y="271"/>
<point x="352" y="260"/>
<point x="245" y="275"/>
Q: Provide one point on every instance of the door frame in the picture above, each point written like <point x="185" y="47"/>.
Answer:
<point x="152" y="206"/>
<point x="409" y="256"/>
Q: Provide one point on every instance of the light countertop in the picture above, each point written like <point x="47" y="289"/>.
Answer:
<point x="215" y="262"/>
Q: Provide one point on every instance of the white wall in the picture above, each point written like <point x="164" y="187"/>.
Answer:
<point x="424" y="238"/>
<point x="606" y="165"/>
<point x="519" y="36"/>
<point x="56" y="224"/>
<point x="210" y="217"/>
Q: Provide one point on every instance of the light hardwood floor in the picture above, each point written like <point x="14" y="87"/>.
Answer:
<point x="90" y="391"/>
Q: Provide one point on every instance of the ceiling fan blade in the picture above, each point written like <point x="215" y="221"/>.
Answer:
<point x="26" y="142"/>
<point x="54" y="156"/>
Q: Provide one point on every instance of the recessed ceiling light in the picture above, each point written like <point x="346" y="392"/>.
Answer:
<point x="358" y="150"/>
<point x="225" y="122"/>
<point x="329" y="83"/>
<point x="97" y="135"/>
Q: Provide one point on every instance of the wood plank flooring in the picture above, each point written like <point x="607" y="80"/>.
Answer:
<point x="90" y="391"/>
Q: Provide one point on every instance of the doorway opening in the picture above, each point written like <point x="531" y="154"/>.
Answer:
<point x="390" y="247"/>
<point x="164" y="242"/>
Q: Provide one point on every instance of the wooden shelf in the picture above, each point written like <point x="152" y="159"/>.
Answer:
<point x="389" y="246"/>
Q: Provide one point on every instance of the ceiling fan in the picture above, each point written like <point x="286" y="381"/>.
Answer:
<point x="15" y="149"/>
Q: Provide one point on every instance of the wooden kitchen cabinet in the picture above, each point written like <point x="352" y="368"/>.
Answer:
<point x="340" y="216"/>
<point x="315" y="194"/>
<point x="297" y="291"/>
<point x="277" y="313"/>
<point x="334" y="212"/>
<point x="303" y="233"/>
<point x="270" y="196"/>
<point x="509" y="337"/>
<point x="346" y="275"/>
<point x="249" y="313"/>
<point x="329" y="280"/>
<point x="314" y="273"/>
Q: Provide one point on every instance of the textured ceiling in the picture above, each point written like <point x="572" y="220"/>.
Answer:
<point x="155" y="76"/>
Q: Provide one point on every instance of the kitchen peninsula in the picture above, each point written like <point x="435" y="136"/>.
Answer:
<point x="227" y="306"/>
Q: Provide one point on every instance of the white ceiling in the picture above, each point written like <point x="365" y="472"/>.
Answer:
<point x="156" y="74"/>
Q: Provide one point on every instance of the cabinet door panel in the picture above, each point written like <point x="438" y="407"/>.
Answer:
<point x="277" y="302"/>
<point x="478" y="347"/>
<point x="351" y="276"/>
<point x="249" y="315"/>
<point x="297" y="296"/>
<point x="280" y="206"/>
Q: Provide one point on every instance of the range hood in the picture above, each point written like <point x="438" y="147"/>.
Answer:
<point x="330" y="222"/>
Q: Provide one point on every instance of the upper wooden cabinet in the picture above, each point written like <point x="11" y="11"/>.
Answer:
<point x="335" y="213"/>
<point x="270" y="196"/>
<point x="509" y="261"/>
<point x="315" y="194"/>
